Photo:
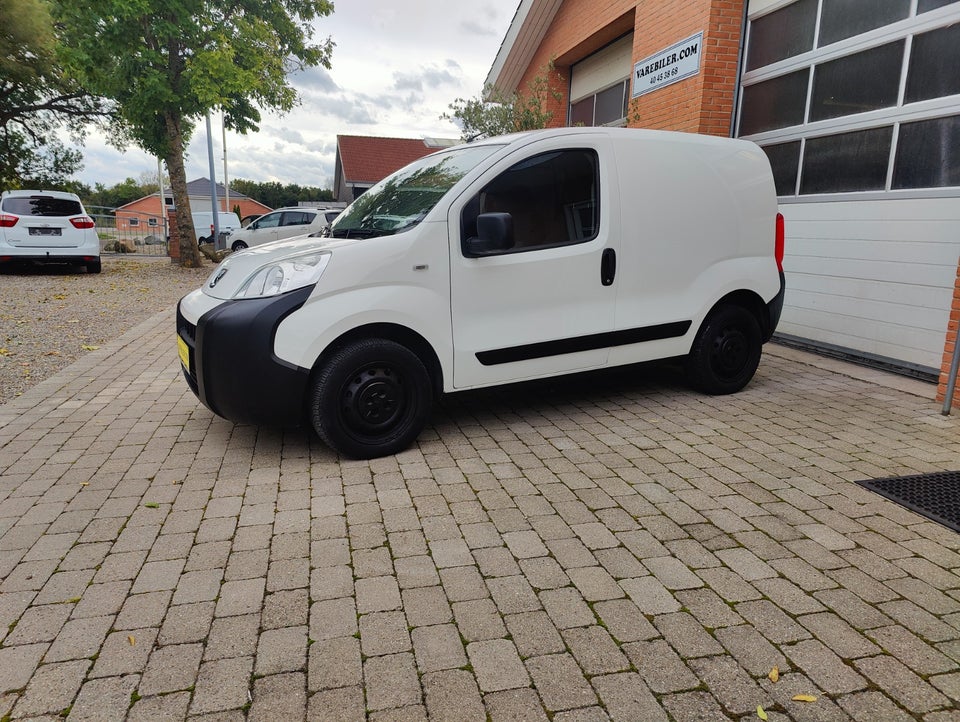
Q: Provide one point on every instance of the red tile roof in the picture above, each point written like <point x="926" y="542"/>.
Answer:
<point x="367" y="159"/>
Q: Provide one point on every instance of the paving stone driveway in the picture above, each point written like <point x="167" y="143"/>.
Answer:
<point x="613" y="547"/>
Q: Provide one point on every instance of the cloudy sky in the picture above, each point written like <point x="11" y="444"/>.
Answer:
<point x="396" y="68"/>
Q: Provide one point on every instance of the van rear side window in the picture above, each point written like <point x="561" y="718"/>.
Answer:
<point x="42" y="206"/>
<point x="553" y="199"/>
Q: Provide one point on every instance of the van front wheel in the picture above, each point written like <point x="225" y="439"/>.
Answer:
<point x="372" y="398"/>
<point x="238" y="246"/>
<point x="726" y="352"/>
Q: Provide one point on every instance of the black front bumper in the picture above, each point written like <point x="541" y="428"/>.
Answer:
<point x="233" y="369"/>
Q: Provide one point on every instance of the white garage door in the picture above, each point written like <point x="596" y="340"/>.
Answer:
<point x="857" y="104"/>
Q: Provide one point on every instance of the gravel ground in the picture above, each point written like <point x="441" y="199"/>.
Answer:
<point x="50" y="316"/>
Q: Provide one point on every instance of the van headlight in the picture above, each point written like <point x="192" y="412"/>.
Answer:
<point x="284" y="275"/>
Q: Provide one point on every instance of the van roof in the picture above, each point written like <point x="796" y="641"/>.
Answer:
<point x="609" y="132"/>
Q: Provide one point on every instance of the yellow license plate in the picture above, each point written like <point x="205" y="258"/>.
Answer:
<point x="184" y="352"/>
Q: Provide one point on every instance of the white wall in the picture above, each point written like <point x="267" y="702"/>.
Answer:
<point x="873" y="276"/>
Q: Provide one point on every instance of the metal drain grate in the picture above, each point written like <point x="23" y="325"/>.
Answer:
<point x="935" y="496"/>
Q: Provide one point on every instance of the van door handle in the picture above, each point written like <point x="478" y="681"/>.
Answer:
<point x="608" y="266"/>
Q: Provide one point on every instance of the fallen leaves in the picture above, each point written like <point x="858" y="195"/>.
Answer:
<point x="774" y="676"/>
<point x="85" y="347"/>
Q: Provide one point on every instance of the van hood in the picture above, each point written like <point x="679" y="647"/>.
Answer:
<point x="235" y="269"/>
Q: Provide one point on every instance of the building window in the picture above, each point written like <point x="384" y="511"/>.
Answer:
<point x="134" y="222"/>
<point x="861" y="113"/>
<point x="608" y="107"/>
<point x="152" y="221"/>
<point x="600" y="85"/>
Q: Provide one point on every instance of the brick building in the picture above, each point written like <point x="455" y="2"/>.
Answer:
<point x="857" y="103"/>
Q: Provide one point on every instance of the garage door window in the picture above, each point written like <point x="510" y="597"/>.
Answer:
<point x="857" y="83"/>
<point x="863" y="98"/>
<point x="845" y="18"/>
<point x="928" y="154"/>
<point x="782" y="34"/>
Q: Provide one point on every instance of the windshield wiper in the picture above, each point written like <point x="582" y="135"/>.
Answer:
<point x="357" y="232"/>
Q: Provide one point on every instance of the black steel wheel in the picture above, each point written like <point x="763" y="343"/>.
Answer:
<point x="726" y="352"/>
<point x="371" y="398"/>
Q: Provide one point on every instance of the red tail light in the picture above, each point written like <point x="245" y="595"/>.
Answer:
<point x="8" y="221"/>
<point x="778" y="245"/>
<point x="82" y="222"/>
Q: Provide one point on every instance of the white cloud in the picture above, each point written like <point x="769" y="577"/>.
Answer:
<point x="395" y="69"/>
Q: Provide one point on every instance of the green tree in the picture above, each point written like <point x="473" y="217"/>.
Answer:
<point x="494" y="112"/>
<point x="168" y="62"/>
<point x="275" y="195"/>
<point x="37" y="99"/>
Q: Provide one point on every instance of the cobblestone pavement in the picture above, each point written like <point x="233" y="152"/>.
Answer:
<point x="611" y="546"/>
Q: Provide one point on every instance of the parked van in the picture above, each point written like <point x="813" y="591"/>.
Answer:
<point x="47" y="227"/>
<point x="512" y="258"/>
<point x="203" y="224"/>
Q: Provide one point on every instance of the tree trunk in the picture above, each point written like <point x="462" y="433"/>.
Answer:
<point x="189" y="251"/>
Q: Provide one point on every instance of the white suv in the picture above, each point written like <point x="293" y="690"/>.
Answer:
<point x="47" y="227"/>
<point x="282" y="223"/>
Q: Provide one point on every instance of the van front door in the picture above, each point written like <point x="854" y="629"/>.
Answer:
<point x="539" y="299"/>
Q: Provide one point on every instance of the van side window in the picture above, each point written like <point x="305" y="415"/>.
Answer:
<point x="553" y="199"/>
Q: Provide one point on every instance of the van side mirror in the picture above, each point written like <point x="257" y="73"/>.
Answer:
<point x="494" y="235"/>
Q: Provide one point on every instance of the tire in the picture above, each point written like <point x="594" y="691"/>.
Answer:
<point x="238" y="246"/>
<point x="726" y="351"/>
<point x="372" y="398"/>
<point x="202" y="239"/>
<point x="93" y="266"/>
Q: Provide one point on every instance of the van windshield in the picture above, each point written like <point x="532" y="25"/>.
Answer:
<point x="400" y="201"/>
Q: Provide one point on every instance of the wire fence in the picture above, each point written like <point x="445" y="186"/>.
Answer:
<point x="127" y="231"/>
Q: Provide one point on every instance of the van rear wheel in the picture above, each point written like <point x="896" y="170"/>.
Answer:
<point x="726" y="352"/>
<point x="372" y="398"/>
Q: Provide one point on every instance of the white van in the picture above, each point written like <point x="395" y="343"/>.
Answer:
<point x="513" y="258"/>
<point x="203" y="224"/>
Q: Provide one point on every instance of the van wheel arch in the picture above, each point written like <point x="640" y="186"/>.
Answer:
<point x="390" y="332"/>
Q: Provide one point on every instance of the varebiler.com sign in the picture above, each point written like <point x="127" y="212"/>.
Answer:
<point x="669" y="66"/>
